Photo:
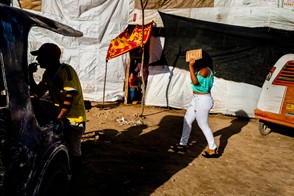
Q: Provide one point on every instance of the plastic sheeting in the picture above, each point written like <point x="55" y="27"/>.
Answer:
<point x="102" y="20"/>
<point x="277" y="14"/>
<point x="240" y="54"/>
<point x="171" y="87"/>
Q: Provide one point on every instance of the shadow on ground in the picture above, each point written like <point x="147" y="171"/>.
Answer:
<point x="283" y="130"/>
<point x="136" y="163"/>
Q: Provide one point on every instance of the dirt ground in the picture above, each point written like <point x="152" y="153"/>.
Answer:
<point x="124" y="154"/>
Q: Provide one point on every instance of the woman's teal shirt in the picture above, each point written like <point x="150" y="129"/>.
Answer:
<point x="204" y="84"/>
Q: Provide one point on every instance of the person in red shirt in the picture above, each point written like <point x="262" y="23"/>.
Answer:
<point x="133" y="86"/>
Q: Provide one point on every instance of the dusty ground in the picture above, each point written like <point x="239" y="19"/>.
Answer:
<point x="127" y="155"/>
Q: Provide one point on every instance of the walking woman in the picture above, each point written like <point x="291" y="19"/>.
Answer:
<point x="202" y="78"/>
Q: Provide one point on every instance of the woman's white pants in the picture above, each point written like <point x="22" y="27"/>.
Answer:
<point x="198" y="109"/>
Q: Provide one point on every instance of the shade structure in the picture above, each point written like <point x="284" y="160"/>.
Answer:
<point x="124" y="42"/>
<point x="240" y="54"/>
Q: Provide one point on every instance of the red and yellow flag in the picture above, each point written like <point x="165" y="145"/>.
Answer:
<point x="124" y="43"/>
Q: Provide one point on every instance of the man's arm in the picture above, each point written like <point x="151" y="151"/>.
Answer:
<point x="67" y="103"/>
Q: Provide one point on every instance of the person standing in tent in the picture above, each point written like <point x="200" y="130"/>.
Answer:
<point x="133" y="86"/>
<point x="65" y="91"/>
<point x="201" y="74"/>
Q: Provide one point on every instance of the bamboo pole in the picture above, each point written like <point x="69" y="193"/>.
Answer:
<point x="142" y="63"/>
<point x="104" y="85"/>
<point x="127" y="74"/>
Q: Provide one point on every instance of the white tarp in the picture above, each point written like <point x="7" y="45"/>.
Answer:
<point x="102" y="20"/>
<point x="169" y="86"/>
<point x="277" y="14"/>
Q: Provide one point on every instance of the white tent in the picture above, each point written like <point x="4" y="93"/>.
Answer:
<point x="102" y="20"/>
<point x="230" y="97"/>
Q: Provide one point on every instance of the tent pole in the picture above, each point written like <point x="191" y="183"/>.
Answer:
<point x="104" y="82"/>
<point x="142" y="63"/>
<point x="127" y="74"/>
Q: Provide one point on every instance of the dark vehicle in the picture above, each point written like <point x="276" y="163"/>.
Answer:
<point x="33" y="156"/>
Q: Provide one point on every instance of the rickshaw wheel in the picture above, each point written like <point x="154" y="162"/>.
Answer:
<point x="264" y="129"/>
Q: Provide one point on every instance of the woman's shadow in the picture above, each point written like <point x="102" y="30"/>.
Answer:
<point x="236" y="126"/>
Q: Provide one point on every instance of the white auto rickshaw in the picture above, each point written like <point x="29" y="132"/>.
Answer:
<point x="276" y="102"/>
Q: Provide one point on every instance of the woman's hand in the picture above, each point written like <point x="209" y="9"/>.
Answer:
<point x="192" y="71"/>
<point x="191" y="62"/>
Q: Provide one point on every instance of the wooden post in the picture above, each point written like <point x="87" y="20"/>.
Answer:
<point x="142" y="63"/>
<point x="127" y="74"/>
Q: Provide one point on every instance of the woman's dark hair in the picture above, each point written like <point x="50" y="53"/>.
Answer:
<point x="205" y="61"/>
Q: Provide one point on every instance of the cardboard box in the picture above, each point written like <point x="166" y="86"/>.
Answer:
<point x="196" y="54"/>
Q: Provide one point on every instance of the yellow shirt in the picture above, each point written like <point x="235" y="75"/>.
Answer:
<point x="66" y="79"/>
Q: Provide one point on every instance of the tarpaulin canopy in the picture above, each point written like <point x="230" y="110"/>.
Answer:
<point x="124" y="42"/>
<point x="102" y="20"/>
<point x="239" y="53"/>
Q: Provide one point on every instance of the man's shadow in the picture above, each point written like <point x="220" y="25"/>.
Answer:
<point x="236" y="126"/>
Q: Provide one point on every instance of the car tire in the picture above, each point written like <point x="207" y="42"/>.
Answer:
<point x="55" y="180"/>
<point x="264" y="128"/>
